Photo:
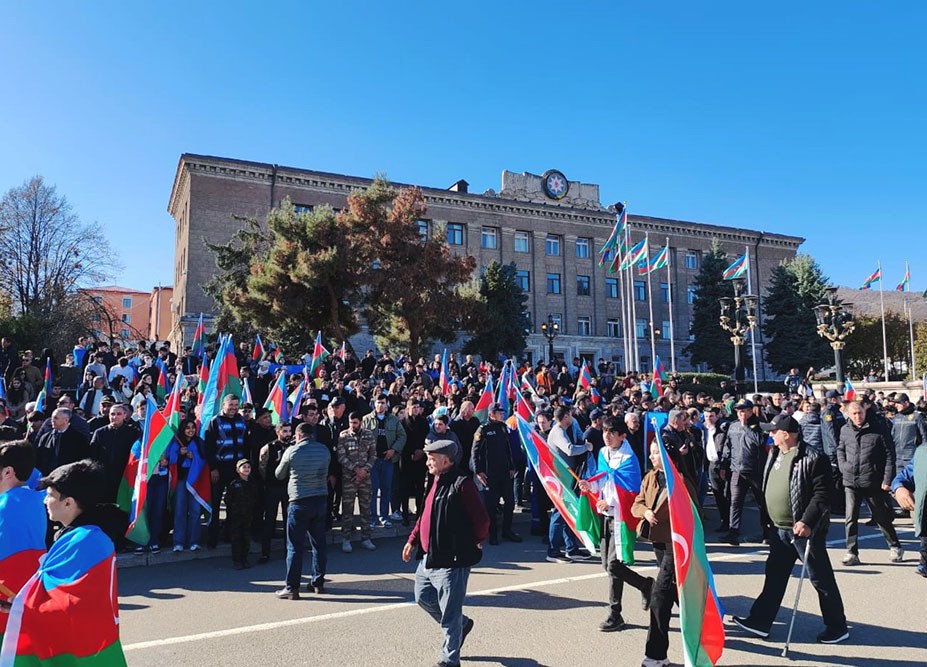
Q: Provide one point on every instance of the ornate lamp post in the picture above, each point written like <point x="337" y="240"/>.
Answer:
<point x="551" y="330"/>
<point x="738" y="316"/>
<point x="835" y="323"/>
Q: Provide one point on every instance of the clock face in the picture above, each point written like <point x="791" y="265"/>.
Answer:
<point x="556" y="185"/>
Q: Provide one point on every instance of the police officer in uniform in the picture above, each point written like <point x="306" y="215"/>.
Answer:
<point x="495" y="469"/>
<point x="832" y="420"/>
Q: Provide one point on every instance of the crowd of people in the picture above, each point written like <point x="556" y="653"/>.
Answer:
<point x="376" y="441"/>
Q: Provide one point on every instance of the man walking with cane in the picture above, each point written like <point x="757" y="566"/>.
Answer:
<point x="796" y="482"/>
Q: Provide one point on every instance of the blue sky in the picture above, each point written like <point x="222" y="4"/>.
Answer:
<point x="798" y="118"/>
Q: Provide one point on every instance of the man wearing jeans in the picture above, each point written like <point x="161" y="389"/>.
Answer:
<point x="305" y="466"/>
<point x="447" y="539"/>
<point x="391" y="438"/>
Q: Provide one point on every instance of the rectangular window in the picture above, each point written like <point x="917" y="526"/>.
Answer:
<point x="302" y="208"/>
<point x="664" y="292"/>
<point x="127" y="302"/>
<point x="125" y="318"/>
<point x="665" y="331"/>
<point x="611" y="288"/>
<point x="640" y="329"/>
<point x="523" y="278"/>
<point x="582" y="248"/>
<point x="582" y="286"/>
<point x="553" y="283"/>
<point x="692" y="260"/>
<point x="583" y="327"/>
<point x="690" y="294"/>
<point x="640" y="292"/>
<point x="521" y="242"/>
<point x="124" y="333"/>
<point x="489" y="238"/>
<point x="422" y="229"/>
<point x="557" y="319"/>
<point x="455" y="234"/>
<point x="553" y="244"/>
<point x="613" y="328"/>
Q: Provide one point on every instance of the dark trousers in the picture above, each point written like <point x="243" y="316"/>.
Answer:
<point x="618" y="572"/>
<point x="923" y="551"/>
<point x="661" y="603"/>
<point x="721" y="490"/>
<point x="881" y="512"/>
<point x="334" y="492"/>
<point x="306" y="519"/>
<point x="783" y="552"/>
<point x="540" y="505"/>
<point x="741" y="482"/>
<point x="239" y="523"/>
<point x="413" y="482"/>
<point x="226" y="475"/>
<point x="500" y="487"/>
<point x="275" y="497"/>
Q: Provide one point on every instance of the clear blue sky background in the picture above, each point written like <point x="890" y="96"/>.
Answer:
<point x="793" y="117"/>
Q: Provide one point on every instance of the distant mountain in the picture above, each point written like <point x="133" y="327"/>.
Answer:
<point x="866" y="302"/>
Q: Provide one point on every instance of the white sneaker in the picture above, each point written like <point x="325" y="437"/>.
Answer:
<point x="178" y="548"/>
<point x="194" y="547"/>
<point x="897" y="554"/>
<point x="346" y="546"/>
<point x="653" y="662"/>
<point x="368" y="545"/>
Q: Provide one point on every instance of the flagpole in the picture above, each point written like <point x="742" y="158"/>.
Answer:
<point x="672" y="328"/>
<point x="637" y="358"/>
<point x="653" y="337"/>
<point x="624" y="311"/>
<point x="756" y="385"/>
<point x="884" y="336"/>
<point x="911" y="340"/>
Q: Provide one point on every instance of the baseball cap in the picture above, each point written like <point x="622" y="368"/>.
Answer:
<point x="495" y="407"/>
<point x="338" y="400"/>
<point x="595" y="414"/>
<point x="781" y="422"/>
<point x="902" y="398"/>
<point x="832" y="393"/>
<point x="744" y="405"/>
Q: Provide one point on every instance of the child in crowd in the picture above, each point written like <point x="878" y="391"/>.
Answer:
<point x="239" y="502"/>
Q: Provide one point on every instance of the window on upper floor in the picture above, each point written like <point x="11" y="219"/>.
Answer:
<point x="552" y="246"/>
<point x="455" y="233"/>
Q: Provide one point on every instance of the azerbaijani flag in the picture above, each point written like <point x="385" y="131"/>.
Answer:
<point x="700" y="612"/>
<point x="635" y="254"/>
<point x="42" y="399"/>
<point x="199" y="338"/>
<point x="738" y="269"/>
<point x="319" y="355"/>
<point x="296" y="396"/>
<point x="172" y="407"/>
<point x="258" y="353"/>
<point x="246" y="392"/>
<point x="486" y="400"/>
<point x="143" y="462"/>
<point x="558" y="481"/>
<point x="523" y="407"/>
<point x="849" y="393"/>
<point x="502" y="391"/>
<point x="161" y="387"/>
<point x="612" y="243"/>
<point x="585" y="382"/>
<point x="443" y="375"/>
<point x="903" y="285"/>
<point x="22" y="541"/>
<point x="198" y="482"/>
<point x="277" y="399"/>
<point x="874" y="277"/>
<point x="343" y="352"/>
<point x="618" y="481"/>
<point x="67" y="614"/>
<point x="659" y="374"/>
<point x="223" y="380"/>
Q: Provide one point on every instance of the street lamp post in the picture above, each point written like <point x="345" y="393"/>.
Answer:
<point x="738" y="316"/>
<point x="551" y="330"/>
<point x="835" y="323"/>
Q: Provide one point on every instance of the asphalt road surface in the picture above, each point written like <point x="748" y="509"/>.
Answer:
<point x="527" y="612"/>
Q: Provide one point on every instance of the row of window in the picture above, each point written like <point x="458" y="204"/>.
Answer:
<point x="613" y="327"/>
<point x="583" y="287"/>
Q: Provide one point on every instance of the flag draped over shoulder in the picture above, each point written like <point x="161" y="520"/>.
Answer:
<point x="618" y="480"/>
<point x="555" y="475"/>
<point x="700" y="612"/>
<point x="67" y="614"/>
<point x="22" y="541"/>
<point x="198" y="482"/>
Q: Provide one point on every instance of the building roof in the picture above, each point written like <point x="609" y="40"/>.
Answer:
<point x="115" y="288"/>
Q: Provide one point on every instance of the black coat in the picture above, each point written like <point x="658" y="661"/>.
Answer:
<point x="865" y="455"/>
<point x="111" y="447"/>
<point x="57" y="449"/>
<point x="810" y="485"/>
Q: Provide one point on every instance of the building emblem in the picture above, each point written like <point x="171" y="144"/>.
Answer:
<point x="556" y="185"/>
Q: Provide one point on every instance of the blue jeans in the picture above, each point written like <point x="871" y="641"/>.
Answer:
<point x="186" y="517"/>
<point x="560" y="536"/>
<point x="306" y="518"/>
<point x="441" y="592"/>
<point x="381" y="478"/>
<point x="156" y="504"/>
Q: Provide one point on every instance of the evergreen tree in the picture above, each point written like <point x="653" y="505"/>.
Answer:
<point x="500" y="319"/>
<point x="796" y="287"/>
<point x="711" y="345"/>
<point x="864" y="351"/>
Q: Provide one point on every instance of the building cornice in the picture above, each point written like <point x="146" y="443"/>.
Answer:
<point x="324" y="182"/>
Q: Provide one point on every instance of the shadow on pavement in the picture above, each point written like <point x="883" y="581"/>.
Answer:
<point x="505" y="662"/>
<point x="530" y="599"/>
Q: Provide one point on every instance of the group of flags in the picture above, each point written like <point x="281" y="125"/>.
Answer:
<point x="876" y="277"/>
<point x="615" y="251"/>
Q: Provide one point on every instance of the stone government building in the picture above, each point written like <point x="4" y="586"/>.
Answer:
<point x="550" y="227"/>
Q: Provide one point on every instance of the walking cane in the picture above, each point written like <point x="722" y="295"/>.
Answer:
<point x="804" y="568"/>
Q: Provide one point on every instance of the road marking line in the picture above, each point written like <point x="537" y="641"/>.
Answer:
<point x="262" y="627"/>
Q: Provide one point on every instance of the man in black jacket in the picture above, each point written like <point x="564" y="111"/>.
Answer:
<point x="111" y="446"/>
<point x="744" y="447"/>
<point x="832" y="421"/>
<point x="796" y="483"/>
<point x="448" y="538"/>
<point x="867" y="463"/>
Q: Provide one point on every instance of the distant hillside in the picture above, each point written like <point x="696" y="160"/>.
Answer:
<point x="867" y="301"/>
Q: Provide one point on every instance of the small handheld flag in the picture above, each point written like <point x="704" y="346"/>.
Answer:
<point x="443" y="376"/>
<point x="849" y="393"/>
<point x="258" y="352"/>
<point x="199" y="338"/>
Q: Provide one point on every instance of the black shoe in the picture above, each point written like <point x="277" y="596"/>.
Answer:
<point x="447" y="664"/>
<point x="558" y="557"/>
<point x="579" y="555"/>
<point x="872" y="522"/>
<point x="733" y="539"/>
<point x="833" y="636"/>
<point x="512" y="536"/>
<point x="747" y="624"/>
<point x="646" y="592"/>
<point x="493" y="540"/>
<point x="723" y="528"/>
<point x="612" y="624"/>
<point x="263" y="559"/>
<point x="318" y="589"/>
<point x="287" y="593"/>
<point x="467" y="627"/>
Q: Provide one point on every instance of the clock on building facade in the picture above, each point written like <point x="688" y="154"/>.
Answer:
<point x="556" y="185"/>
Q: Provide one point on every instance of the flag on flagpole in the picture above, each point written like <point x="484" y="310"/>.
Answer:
<point x="343" y="352"/>
<point x="614" y="239"/>
<point x="523" y="407"/>
<point x="246" y="391"/>
<point x="635" y="254"/>
<point x="277" y="400"/>
<point x="874" y="277"/>
<point x="903" y="285"/>
<point x="161" y="387"/>
<point x="658" y="261"/>
<point x="502" y="391"/>
<point x="258" y="352"/>
<point x="296" y="396"/>
<point x="223" y="380"/>
<point x="199" y="338"/>
<point x="700" y="611"/>
<point x="319" y="355"/>
<point x="738" y="269"/>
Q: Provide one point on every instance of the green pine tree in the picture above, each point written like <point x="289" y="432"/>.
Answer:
<point x="499" y="323"/>
<point x="711" y="345"/>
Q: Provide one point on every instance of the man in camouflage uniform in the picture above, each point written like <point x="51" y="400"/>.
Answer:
<point x="357" y="452"/>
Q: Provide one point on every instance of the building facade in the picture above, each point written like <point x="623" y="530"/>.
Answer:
<point x="130" y="315"/>
<point x="549" y="226"/>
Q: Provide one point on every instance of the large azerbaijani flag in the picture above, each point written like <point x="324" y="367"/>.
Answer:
<point x="737" y="269"/>
<point x="485" y="402"/>
<point x="198" y="482"/>
<point x="635" y="255"/>
<point x="67" y="614"/>
<point x="700" y="612"/>
<point x="618" y="481"/>
<point x="143" y="461"/>
<point x="277" y="400"/>
<point x="172" y="407"/>
<point x="223" y="380"/>
<point x="577" y="510"/>
<point x="22" y="541"/>
<point x="611" y="244"/>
